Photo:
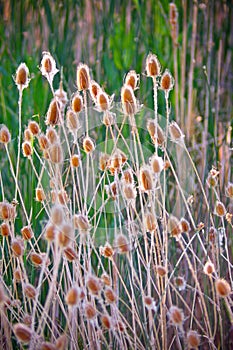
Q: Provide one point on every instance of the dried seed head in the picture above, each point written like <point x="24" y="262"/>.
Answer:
<point x="161" y="270"/>
<point x="151" y="127"/>
<point x="43" y="142"/>
<point x="70" y="254"/>
<point x="83" y="77"/>
<point x="72" y="121"/>
<point x="61" y="96"/>
<point x="5" y="229"/>
<point x="103" y="161"/>
<point x="5" y="135"/>
<point x="50" y="233"/>
<point x="173" y="14"/>
<point x="174" y="226"/>
<point x="52" y="135"/>
<point x="17" y="275"/>
<point x="167" y="81"/>
<point x="211" y="180"/>
<point x="7" y="211"/>
<point x="106" y="280"/>
<point x="127" y="176"/>
<point x="175" y="132"/>
<point x="106" y="250"/>
<point x="63" y="197"/>
<point x="81" y="222"/>
<point x="220" y="209"/>
<point x="209" y="268"/>
<point x="27" y="149"/>
<point x="122" y="244"/>
<point x="129" y="192"/>
<point x="106" y="321"/>
<point x="108" y="118"/>
<point x="185" y="227"/>
<point x="77" y="102"/>
<point x="94" y="89"/>
<point x="223" y="288"/>
<point x="93" y="284"/>
<point x="75" y="161"/>
<point x="65" y="235"/>
<point x="157" y="164"/>
<point x="34" y="127"/>
<point x="110" y="296"/>
<point x="22" y="76"/>
<point x="116" y="161"/>
<point x="55" y="153"/>
<point x="48" y="66"/>
<point x="229" y="190"/>
<point x="180" y="283"/>
<point x="72" y="297"/>
<point x="103" y="101"/>
<point x="176" y="316"/>
<point x="88" y="145"/>
<point x="57" y="214"/>
<point x="145" y="179"/>
<point x="48" y="346"/>
<point x="27" y="233"/>
<point x="53" y="114"/>
<point x="150" y="222"/>
<point x="128" y="100"/>
<point x="36" y="259"/>
<point x="132" y="79"/>
<point x="149" y="302"/>
<point x="27" y="135"/>
<point x="40" y="195"/>
<point x="112" y="190"/>
<point x="30" y="291"/>
<point x="153" y="66"/>
<point x="90" y="311"/>
<point x="212" y="235"/>
<point x="193" y="340"/>
<point x="22" y="332"/>
<point x="119" y="326"/>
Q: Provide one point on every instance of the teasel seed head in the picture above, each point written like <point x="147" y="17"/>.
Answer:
<point x="93" y="285"/>
<point x="65" y="235"/>
<point x="175" y="132"/>
<point x="180" y="283"/>
<point x="145" y="179"/>
<point x="70" y="254"/>
<point x="128" y="100"/>
<point x="57" y="214"/>
<point x="55" y="153"/>
<point x="36" y="259"/>
<point x="132" y="79"/>
<point x="193" y="340"/>
<point x="27" y="149"/>
<point x="23" y="333"/>
<point x="174" y="226"/>
<point x="7" y="211"/>
<point x="30" y="291"/>
<point x="43" y="142"/>
<point x="89" y="311"/>
<point x="72" y="296"/>
<point x="150" y="222"/>
<point x="52" y="135"/>
<point x="81" y="222"/>
<point x="106" y="279"/>
<point x="220" y="209"/>
<point x="75" y="161"/>
<point x="22" y="76"/>
<point x="185" y="226"/>
<point x="109" y="295"/>
<point x="103" y="101"/>
<point x="27" y="233"/>
<point x="229" y="190"/>
<point x="63" y="197"/>
<point x="5" y="229"/>
<point x="34" y="127"/>
<point x="27" y="135"/>
<point x="48" y="66"/>
<point x="151" y="127"/>
<point x="153" y="66"/>
<point x="176" y="316"/>
<point x="106" y="321"/>
<point x="161" y="270"/>
<point x="48" y="346"/>
<point x="77" y="102"/>
<point x="149" y="302"/>
<point x="122" y="244"/>
<point x="157" y="164"/>
<point x="5" y="135"/>
<point x="50" y="232"/>
<point x="72" y="121"/>
<point x="103" y="161"/>
<point x="167" y="81"/>
<point x="209" y="268"/>
<point x="106" y="250"/>
<point x="61" y="342"/>
<point x="54" y="113"/>
<point x="223" y="288"/>
<point x="83" y="77"/>
<point x="88" y="145"/>
<point x="40" y="195"/>
<point x="94" y="89"/>
<point x="127" y="176"/>
<point x="129" y="192"/>
<point x="108" y="118"/>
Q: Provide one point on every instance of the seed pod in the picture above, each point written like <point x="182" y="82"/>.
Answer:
<point x="223" y="288"/>
<point x="57" y="214"/>
<point x="61" y="342"/>
<point x="22" y="76"/>
<point x="129" y="192"/>
<point x="27" y="149"/>
<point x="220" y="209"/>
<point x="30" y="291"/>
<point x="5" y="135"/>
<point x="145" y="179"/>
<point x="50" y="232"/>
<point x="36" y="259"/>
<point x="229" y="190"/>
<point x="175" y="132"/>
<point x="167" y="81"/>
<point x="40" y="195"/>
<point x="61" y="96"/>
<point x="110" y="296"/>
<point x="185" y="227"/>
<point x="106" y="321"/>
<point x="211" y="181"/>
<point x="83" y="77"/>
<point x="119" y="326"/>
<point x="90" y="311"/>
<point x="93" y="285"/>
<point x="22" y="332"/>
<point x="151" y="127"/>
<point x="63" y="197"/>
<point x="174" y="226"/>
<point x="65" y="235"/>
<point x="176" y="316"/>
<point x="34" y="128"/>
<point x="116" y="161"/>
<point x="74" y="161"/>
<point x="48" y="66"/>
<point x="43" y="142"/>
<point x="88" y="145"/>
<point x="103" y="101"/>
<point x="106" y="280"/>
<point x="209" y="268"/>
<point x="81" y="222"/>
<point x="180" y="283"/>
<point x="150" y="222"/>
<point x="153" y="66"/>
<point x="17" y="275"/>
<point x="132" y="79"/>
<point x="157" y="164"/>
<point x="103" y="161"/>
<point x="94" y="89"/>
<point x="107" y="251"/>
<point x="193" y="340"/>
<point x="149" y="302"/>
<point x="72" y="297"/>
<point x="55" y="153"/>
<point x="27" y="233"/>
<point x="53" y="114"/>
<point x="72" y="121"/>
<point x="161" y="270"/>
<point x="128" y="100"/>
<point x="122" y="244"/>
<point x="77" y="103"/>
<point x="48" y="346"/>
<point x="52" y="135"/>
<point x="5" y="229"/>
<point x="212" y="235"/>
<point x="70" y="254"/>
<point x="108" y="118"/>
<point x="112" y="190"/>
<point x="127" y="176"/>
<point x="7" y="211"/>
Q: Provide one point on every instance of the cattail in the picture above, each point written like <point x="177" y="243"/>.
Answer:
<point x="27" y="233"/>
<point x="72" y="297"/>
<point x="70" y="254"/>
<point x="57" y="214"/>
<point x="94" y="89"/>
<point x="229" y="190"/>
<point x="132" y="79"/>
<point x="106" y="321"/>
<point x="145" y="179"/>
<point x="50" y="232"/>
<point x="5" y="135"/>
<point x="185" y="226"/>
<point x="106" y="280"/>
<point x="77" y="102"/>
<point x="161" y="270"/>
<point x="52" y="135"/>
<point x="209" y="268"/>
<point x="30" y="291"/>
<point x="40" y="195"/>
<point x="48" y="346"/>
<point x="7" y="211"/>
<point x="110" y="296"/>
<point x="107" y="251"/>
<point x="22" y="76"/>
<point x="175" y="132"/>
<point x="63" y="197"/>
<point x="93" y="285"/>
<point x="151" y="127"/>
<point x="176" y="316"/>
<point x="219" y="209"/>
<point x="48" y="66"/>
<point x="56" y="153"/>
<point x="193" y="340"/>
<point x="153" y="66"/>
<point x="65" y="235"/>
<point x="128" y="100"/>
<point x="83" y="77"/>
<point x="180" y="283"/>
<point x="127" y="176"/>
<point x="223" y="288"/>
<point x="167" y="81"/>
<point x="103" y="161"/>
<point x="34" y="128"/>
<point x="103" y="101"/>
<point x="75" y="161"/>
<point x="27" y="135"/>
<point x="81" y="222"/>
<point x="90" y="311"/>
<point x="122" y="244"/>
<point x="88" y="145"/>
<point x="27" y="149"/>
<point x="72" y="121"/>
<point x="17" y="275"/>
<point x="53" y="114"/>
<point x="36" y="259"/>
<point x="23" y="333"/>
<point x="5" y="229"/>
<point x="174" y="226"/>
<point x="43" y="142"/>
<point x="150" y="222"/>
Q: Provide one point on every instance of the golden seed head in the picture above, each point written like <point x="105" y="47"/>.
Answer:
<point x="176" y="316"/>
<point x="65" y="235"/>
<point x="70" y="254"/>
<point x="72" y="297"/>
<point x="53" y="114"/>
<point x="129" y="192"/>
<point x="40" y="195"/>
<point x="150" y="222"/>
<point x="75" y="161"/>
<point x="55" y="153"/>
<point x="57" y="214"/>
<point x="132" y="79"/>
<point x="61" y="96"/>
<point x="211" y="181"/>
<point x="119" y="326"/>
<point x="52" y="135"/>
<point x="149" y="302"/>
<point x="94" y="89"/>
<point x="90" y="311"/>
<point x="174" y="226"/>
<point x="153" y="66"/>
<point x="27" y="149"/>
<point x="127" y="176"/>
<point x="88" y="145"/>
<point x="151" y="127"/>
<point x="128" y="100"/>
<point x="22" y="76"/>
<point x="83" y="77"/>
<point x="103" y="101"/>
<point x="93" y="284"/>
<point x="5" y="135"/>
<point x="108" y="118"/>
<point x="43" y="142"/>
<point x="161" y="270"/>
<point x="106" y="250"/>
<point x="229" y="190"/>
<point x="63" y="197"/>
<point x="116" y="161"/>
<point x="157" y="164"/>
<point x="7" y="211"/>
<point x="220" y="209"/>
<point x="106" y="321"/>
<point x="167" y="81"/>
<point x="30" y="291"/>
<point x="209" y="268"/>
<point x="185" y="227"/>
<point x="145" y="179"/>
<point x="212" y="235"/>
<point x="48" y="66"/>
<point x="77" y="103"/>
<point x="180" y="283"/>
<point x="110" y="296"/>
<point x="103" y="161"/>
<point x="27" y="233"/>
<point x="175" y="132"/>
<point x="27" y="135"/>
<point x="5" y="229"/>
<point x="50" y="233"/>
<point x="17" y="275"/>
<point x="122" y="244"/>
<point x="193" y="340"/>
<point x="34" y="127"/>
<point x="72" y="121"/>
<point x="81" y="222"/>
<point x="112" y="190"/>
<point x="48" y="346"/>
<point x="106" y="280"/>
<point x="36" y="259"/>
<point x="22" y="332"/>
<point x="223" y="288"/>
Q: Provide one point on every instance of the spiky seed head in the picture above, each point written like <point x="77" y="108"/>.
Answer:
<point x="70" y="254"/>
<point x="211" y="180"/>
<point x="52" y="135"/>
<point x="106" y="279"/>
<point x="193" y="340"/>
<point x="27" y="149"/>
<point x="36" y="259"/>
<point x="57" y="214"/>
<point x="22" y="76"/>
<point x="108" y="118"/>
<point x="127" y="176"/>
<point x="229" y="190"/>
<point x="153" y="66"/>
<point x="5" y="229"/>
<point x="27" y="135"/>
<point x="7" y="211"/>
<point x="61" y="342"/>
<point x="50" y="232"/>
<point x="157" y="164"/>
<point x="220" y="209"/>
<point x="72" y="121"/>
<point x="167" y="81"/>
<point x="34" y="127"/>
<point x="161" y="270"/>
<point x="151" y="127"/>
<point x="53" y="114"/>
<point x="175" y="132"/>
<point x="129" y="192"/>
<point x="90" y="311"/>
<point x="55" y="153"/>
<point x="40" y="195"/>
<point x="103" y="161"/>
<point x="185" y="226"/>
<point x="103" y="101"/>
<point x="106" y="321"/>
<point x="48" y="66"/>
<point x="106" y="250"/>
<point x="146" y="179"/>
<point x="176" y="316"/>
<point x="48" y="346"/>
<point x="88" y="145"/>
<point x="63" y="197"/>
<point x="81" y="222"/>
<point x="17" y="275"/>
<point x="27" y="233"/>
<point x="132" y="79"/>
<point x="43" y="142"/>
<point x="94" y="89"/>
<point x="83" y="77"/>
<point x="75" y="161"/>
<point x="180" y="283"/>
<point x="122" y="244"/>
<point x="209" y="268"/>
<point x="65" y="235"/>
<point x="109" y="295"/>
<point x="150" y="222"/>
<point x="30" y="291"/>
<point x="22" y="332"/>
<point x="174" y="226"/>
<point x="93" y="285"/>
<point x="128" y="100"/>
<point x="212" y="235"/>
<point x="223" y="288"/>
<point x="5" y="135"/>
<point x="72" y="296"/>
<point x="77" y="103"/>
